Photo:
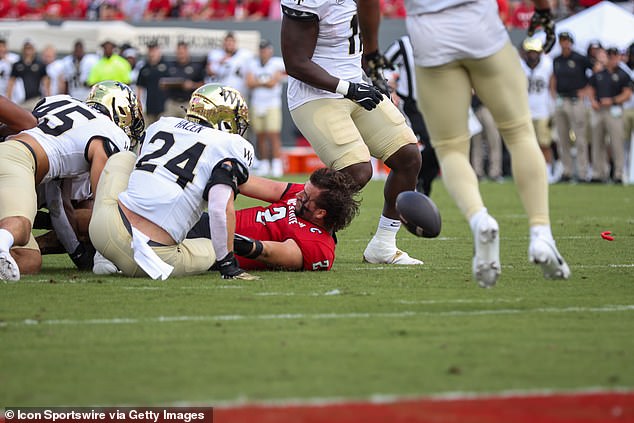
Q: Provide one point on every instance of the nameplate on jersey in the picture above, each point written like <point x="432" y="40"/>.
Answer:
<point x="189" y="126"/>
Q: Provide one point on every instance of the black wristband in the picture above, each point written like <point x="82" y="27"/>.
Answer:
<point x="257" y="250"/>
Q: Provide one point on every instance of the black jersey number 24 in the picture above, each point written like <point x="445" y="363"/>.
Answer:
<point x="182" y="166"/>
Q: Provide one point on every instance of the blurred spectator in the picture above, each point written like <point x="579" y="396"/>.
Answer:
<point x="133" y="10"/>
<point x="264" y="76"/>
<point x="569" y="87"/>
<point x="65" y="9"/>
<point x="148" y="84"/>
<point x="503" y="10"/>
<point x="610" y="88"/>
<point x="54" y="69"/>
<point x="130" y="54"/>
<point x="157" y="10"/>
<point x="594" y="47"/>
<point x="394" y="9"/>
<point x="184" y="76"/>
<point x="225" y="65"/>
<point x="491" y="135"/>
<point x="220" y="9"/>
<point x="539" y="70"/>
<point x="7" y="59"/>
<point x="189" y="9"/>
<point x="111" y="66"/>
<point x="18" y="9"/>
<point x="522" y="14"/>
<point x="32" y="72"/>
<point x="257" y="9"/>
<point x="76" y="69"/>
<point x="110" y="11"/>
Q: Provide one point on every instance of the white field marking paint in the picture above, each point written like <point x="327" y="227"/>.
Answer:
<point x="462" y="301"/>
<point x="242" y="402"/>
<point x="319" y="316"/>
<point x="143" y="288"/>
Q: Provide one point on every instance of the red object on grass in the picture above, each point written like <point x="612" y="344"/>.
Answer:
<point x="606" y="235"/>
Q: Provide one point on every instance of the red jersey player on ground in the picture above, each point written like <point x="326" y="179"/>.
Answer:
<point x="295" y="231"/>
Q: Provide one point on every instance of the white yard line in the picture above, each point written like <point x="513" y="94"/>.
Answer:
<point x="392" y="398"/>
<point x="317" y="316"/>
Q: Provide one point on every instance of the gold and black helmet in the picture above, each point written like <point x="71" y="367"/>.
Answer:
<point x="117" y="101"/>
<point x="219" y="107"/>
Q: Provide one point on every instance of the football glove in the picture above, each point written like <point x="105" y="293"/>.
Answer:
<point x="544" y="19"/>
<point x="366" y="95"/>
<point x="83" y="256"/>
<point x="247" y="247"/>
<point x="229" y="269"/>
<point x="375" y="63"/>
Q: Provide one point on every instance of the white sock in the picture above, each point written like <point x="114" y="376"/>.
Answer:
<point x="6" y="240"/>
<point x="541" y="231"/>
<point x="387" y="229"/>
<point x="475" y="219"/>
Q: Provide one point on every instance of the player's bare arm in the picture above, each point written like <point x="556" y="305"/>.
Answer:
<point x="283" y="255"/>
<point x="263" y="189"/>
<point x="15" y="117"/>
<point x="299" y="38"/>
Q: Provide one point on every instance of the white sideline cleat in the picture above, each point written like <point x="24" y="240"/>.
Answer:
<point x="9" y="270"/>
<point x="486" y="260"/>
<point x="544" y="253"/>
<point x="103" y="266"/>
<point x="387" y="256"/>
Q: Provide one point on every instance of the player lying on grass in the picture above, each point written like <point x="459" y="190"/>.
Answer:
<point x="296" y="230"/>
<point x="72" y="137"/>
<point x="145" y="206"/>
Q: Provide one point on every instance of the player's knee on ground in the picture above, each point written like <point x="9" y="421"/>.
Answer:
<point x="20" y="228"/>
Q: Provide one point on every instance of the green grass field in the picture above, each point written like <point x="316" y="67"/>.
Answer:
<point x="73" y="338"/>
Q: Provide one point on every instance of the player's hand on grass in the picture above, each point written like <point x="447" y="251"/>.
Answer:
<point x="374" y="65"/>
<point x="229" y="269"/>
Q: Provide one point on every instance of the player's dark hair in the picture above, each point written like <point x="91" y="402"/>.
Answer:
<point x="338" y="197"/>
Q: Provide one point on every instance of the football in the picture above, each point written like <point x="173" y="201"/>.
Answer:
<point x="419" y="214"/>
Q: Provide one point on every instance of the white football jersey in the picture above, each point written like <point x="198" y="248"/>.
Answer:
<point x="264" y="98"/>
<point x="76" y="74"/>
<point x="416" y="7"/>
<point x="465" y="30"/>
<point x="338" y="48"/>
<point x="169" y="183"/>
<point x="539" y="100"/>
<point x="65" y="126"/>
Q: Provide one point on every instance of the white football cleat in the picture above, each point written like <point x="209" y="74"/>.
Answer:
<point x="378" y="252"/>
<point x="486" y="260"/>
<point x="9" y="270"/>
<point x="543" y="252"/>
<point x="103" y="266"/>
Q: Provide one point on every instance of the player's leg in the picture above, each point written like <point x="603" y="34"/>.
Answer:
<point x="18" y="206"/>
<point x="501" y="85"/>
<point x="445" y="98"/>
<point x="600" y="171"/>
<point x="389" y="139"/>
<point x="328" y="126"/>
<point x="107" y="230"/>
<point x="190" y="257"/>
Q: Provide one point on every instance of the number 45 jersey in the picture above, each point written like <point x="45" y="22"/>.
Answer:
<point x="65" y="128"/>
<point x="171" y="177"/>
<point x="338" y="48"/>
<point x="278" y="222"/>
